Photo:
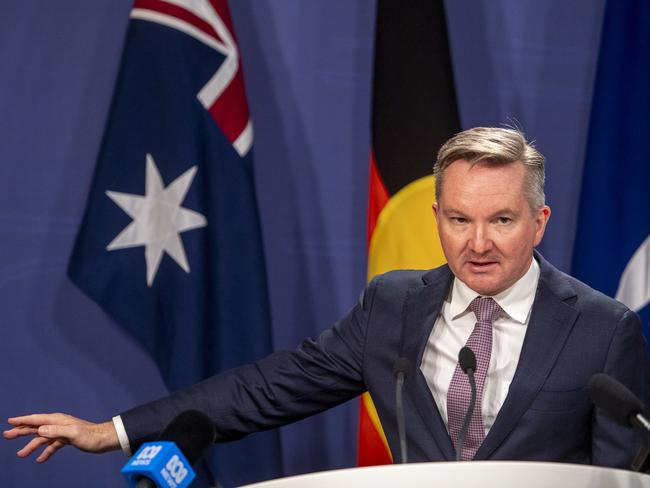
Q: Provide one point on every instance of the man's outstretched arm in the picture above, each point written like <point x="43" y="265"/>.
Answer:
<point x="55" y="430"/>
<point x="277" y="390"/>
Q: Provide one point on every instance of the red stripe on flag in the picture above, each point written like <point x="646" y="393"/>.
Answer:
<point x="371" y="450"/>
<point x="221" y="7"/>
<point x="230" y="110"/>
<point x="377" y="195"/>
<point x="182" y="14"/>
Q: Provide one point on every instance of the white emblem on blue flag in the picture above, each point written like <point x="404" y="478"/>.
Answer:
<point x="158" y="219"/>
<point x="634" y="286"/>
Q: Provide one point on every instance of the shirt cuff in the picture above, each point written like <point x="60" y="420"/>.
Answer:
<point x="121" y="435"/>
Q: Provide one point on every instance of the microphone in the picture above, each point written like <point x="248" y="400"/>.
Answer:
<point x="467" y="361"/>
<point x="168" y="461"/>
<point x="400" y="370"/>
<point x="618" y="403"/>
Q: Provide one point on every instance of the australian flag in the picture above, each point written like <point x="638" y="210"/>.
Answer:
<point x="170" y="244"/>
<point x="612" y="251"/>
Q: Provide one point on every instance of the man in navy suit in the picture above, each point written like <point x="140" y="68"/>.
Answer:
<point x="547" y="335"/>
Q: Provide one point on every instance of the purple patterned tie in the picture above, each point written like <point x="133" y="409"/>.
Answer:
<point x="458" y="396"/>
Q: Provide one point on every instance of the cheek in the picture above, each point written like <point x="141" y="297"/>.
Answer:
<point x="539" y="233"/>
<point x="452" y="243"/>
<point x="519" y="244"/>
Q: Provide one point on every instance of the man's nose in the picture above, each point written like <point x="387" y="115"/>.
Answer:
<point x="480" y="241"/>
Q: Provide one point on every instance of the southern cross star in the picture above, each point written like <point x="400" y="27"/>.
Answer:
<point x="158" y="219"/>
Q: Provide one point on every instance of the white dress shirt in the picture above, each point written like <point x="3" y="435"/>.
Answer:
<point x="454" y="326"/>
<point x="121" y="435"/>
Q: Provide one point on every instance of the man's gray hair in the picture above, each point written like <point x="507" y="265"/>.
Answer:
<point x="495" y="146"/>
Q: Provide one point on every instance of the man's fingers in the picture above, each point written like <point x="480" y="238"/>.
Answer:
<point x="49" y="451"/>
<point x="32" y="445"/>
<point x="19" y="432"/>
<point x="58" y="431"/>
<point x="36" y="443"/>
<point x="38" y="419"/>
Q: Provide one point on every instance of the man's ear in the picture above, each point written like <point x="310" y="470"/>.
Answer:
<point x="543" y="215"/>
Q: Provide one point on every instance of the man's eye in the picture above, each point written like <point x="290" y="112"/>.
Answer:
<point x="504" y="220"/>
<point x="459" y="220"/>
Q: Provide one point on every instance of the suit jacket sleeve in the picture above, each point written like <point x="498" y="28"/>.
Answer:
<point x="281" y="388"/>
<point x="627" y="361"/>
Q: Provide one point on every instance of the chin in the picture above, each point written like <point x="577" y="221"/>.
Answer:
<point x="483" y="288"/>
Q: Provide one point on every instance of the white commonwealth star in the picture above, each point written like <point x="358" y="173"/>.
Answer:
<point x="158" y="219"/>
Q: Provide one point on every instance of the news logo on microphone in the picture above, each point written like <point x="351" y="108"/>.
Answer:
<point x="162" y="462"/>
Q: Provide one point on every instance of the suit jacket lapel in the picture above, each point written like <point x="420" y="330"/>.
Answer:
<point x="420" y="311"/>
<point x="550" y="323"/>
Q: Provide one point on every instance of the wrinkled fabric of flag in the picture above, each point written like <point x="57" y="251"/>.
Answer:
<point x="612" y="250"/>
<point x="170" y="245"/>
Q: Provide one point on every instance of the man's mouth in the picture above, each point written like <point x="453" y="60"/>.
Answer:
<point x="481" y="266"/>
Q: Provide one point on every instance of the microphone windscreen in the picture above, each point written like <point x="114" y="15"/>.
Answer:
<point x="467" y="359"/>
<point x="192" y="431"/>
<point x="402" y="365"/>
<point x="614" y="398"/>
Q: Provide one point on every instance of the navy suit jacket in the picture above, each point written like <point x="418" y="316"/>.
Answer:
<point x="573" y="333"/>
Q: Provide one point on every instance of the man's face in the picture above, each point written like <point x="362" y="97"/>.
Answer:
<point x="486" y="226"/>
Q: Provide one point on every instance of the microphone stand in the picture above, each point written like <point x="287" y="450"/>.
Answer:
<point x="641" y="462"/>
<point x="145" y="483"/>
<point x="400" y="369"/>
<point x="401" y="429"/>
<point x="468" y="416"/>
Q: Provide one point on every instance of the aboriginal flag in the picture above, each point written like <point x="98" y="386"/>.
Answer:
<point x="414" y="113"/>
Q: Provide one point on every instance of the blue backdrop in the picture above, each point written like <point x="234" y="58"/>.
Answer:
<point x="308" y="75"/>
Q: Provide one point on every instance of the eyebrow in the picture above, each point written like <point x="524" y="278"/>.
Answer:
<point x="451" y="210"/>
<point x="503" y="211"/>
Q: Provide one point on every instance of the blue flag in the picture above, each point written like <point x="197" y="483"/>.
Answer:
<point x="612" y="250"/>
<point x="170" y="245"/>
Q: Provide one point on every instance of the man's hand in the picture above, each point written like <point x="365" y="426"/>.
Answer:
<point x="56" y="430"/>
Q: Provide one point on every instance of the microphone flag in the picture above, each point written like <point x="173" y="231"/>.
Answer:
<point x="612" y="245"/>
<point x="170" y="245"/>
<point x="161" y="462"/>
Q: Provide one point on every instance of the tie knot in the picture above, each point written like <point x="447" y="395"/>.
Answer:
<point x="485" y="309"/>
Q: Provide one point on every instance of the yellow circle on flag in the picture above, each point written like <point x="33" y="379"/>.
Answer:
<point x="406" y="236"/>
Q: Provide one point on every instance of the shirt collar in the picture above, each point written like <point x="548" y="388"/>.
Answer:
<point x="516" y="301"/>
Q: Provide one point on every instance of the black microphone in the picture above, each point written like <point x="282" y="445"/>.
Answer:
<point x="400" y="370"/>
<point x="192" y="432"/>
<point x="467" y="361"/>
<point x="617" y="402"/>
